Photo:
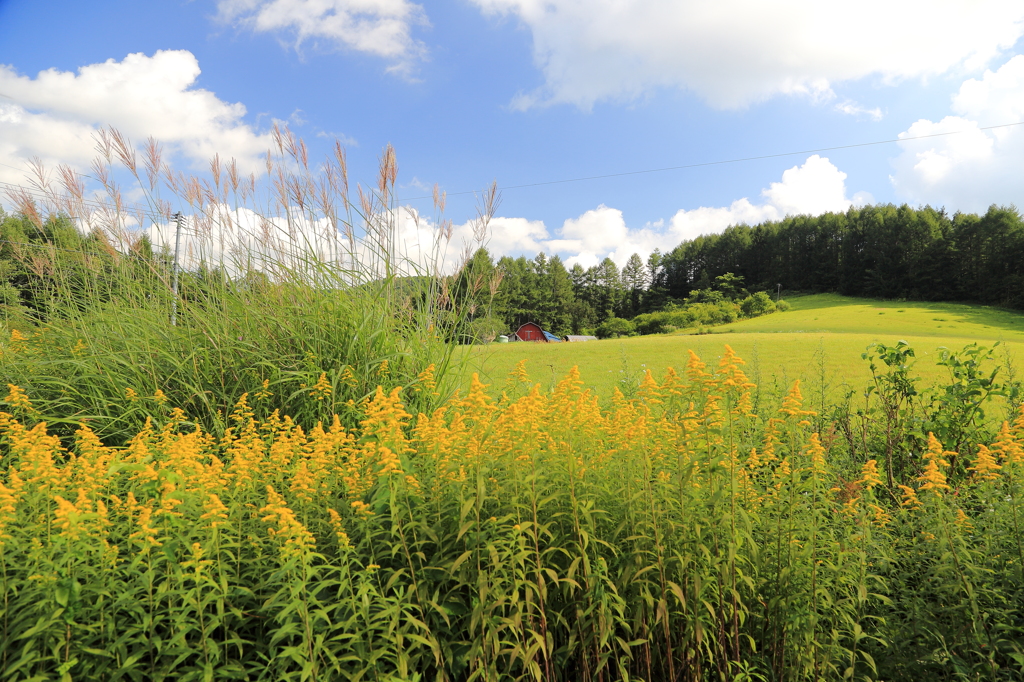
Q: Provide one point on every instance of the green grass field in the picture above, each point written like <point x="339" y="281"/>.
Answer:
<point x="819" y="341"/>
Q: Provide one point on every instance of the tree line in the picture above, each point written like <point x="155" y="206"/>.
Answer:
<point x="883" y="251"/>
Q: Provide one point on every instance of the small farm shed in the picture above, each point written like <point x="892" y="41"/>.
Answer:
<point x="532" y="332"/>
<point x="576" y="338"/>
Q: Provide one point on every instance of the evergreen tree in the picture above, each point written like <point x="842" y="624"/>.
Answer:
<point x="609" y="289"/>
<point x="562" y="297"/>
<point x="634" y="281"/>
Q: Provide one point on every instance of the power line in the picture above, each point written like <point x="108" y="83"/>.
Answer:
<point x="49" y="246"/>
<point x="705" y="164"/>
<point x="130" y="209"/>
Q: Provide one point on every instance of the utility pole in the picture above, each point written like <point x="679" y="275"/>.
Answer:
<point x="778" y="294"/>
<point x="178" y="218"/>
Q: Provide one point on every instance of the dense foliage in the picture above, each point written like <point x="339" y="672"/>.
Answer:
<point x="881" y="251"/>
<point x="601" y="300"/>
<point x="699" y="529"/>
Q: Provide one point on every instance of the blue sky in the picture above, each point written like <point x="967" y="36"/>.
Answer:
<point x="530" y="91"/>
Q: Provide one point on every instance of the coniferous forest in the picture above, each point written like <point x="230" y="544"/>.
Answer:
<point x="886" y="251"/>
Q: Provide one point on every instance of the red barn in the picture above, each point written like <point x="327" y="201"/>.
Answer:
<point x="529" y="332"/>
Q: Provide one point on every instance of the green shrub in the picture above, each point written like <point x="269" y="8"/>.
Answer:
<point x="614" y="327"/>
<point x="757" y="304"/>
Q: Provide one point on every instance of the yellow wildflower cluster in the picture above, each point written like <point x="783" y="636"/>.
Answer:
<point x="322" y="388"/>
<point x="425" y="381"/>
<point x="793" y="402"/>
<point x="682" y="443"/>
<point x="264" y="391"/>
<point x="933" y="477"/>
<point x="347" y="377"/>
<point x="17" y="342"/>
<point x="17" y="399"/>
<point x="285" y="527"/>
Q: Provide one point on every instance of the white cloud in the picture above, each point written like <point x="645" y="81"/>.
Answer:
<point x="243" y="239"/>
<point x="973" y="168"/>
<point x="813" y="188"/>
<point x="602" y="233"/>
<point x="221" y="234"/>
<point x="422" y="242"/>
<point x="851" y="108"/>
<point x="55" y="115"/>
<point x="733" y="52"/>
<point x="382" y="28"/>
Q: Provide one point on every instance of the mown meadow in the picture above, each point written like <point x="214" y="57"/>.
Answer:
<point x="820" y="341"/>
<point x="304" y="477"/>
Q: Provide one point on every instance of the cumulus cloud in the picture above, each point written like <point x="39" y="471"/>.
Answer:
<point x="812" y="188"/>
<point x="55" y="115"/>
<point x="973" y="168"/>
<point x="382" y="28"/>
<point x="733" y="52"/>
<point x="243" y="239"/>
<point x="602" y="233"/>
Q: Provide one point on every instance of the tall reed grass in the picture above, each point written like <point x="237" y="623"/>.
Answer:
<point x="289" y="287"/>
<point x="675" y="535"/>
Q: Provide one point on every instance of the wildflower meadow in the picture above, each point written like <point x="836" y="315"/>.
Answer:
<point x="509" y="533"/>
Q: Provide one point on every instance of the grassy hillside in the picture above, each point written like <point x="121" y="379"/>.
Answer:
<point x="819" y="340"/>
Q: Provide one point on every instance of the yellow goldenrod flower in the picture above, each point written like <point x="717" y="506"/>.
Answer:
<point x="303" y="484"/>
<point x="649" y="392"/>
<point x="215" y="513"/>
<point x="671" y="385"/>
<point x="264" y="391"/>
<point x="933" y="478"/>
<point x="1008" y="446"/>
<point x="322" y="388"/>
<point x="695" y="369"/>
<point x="196" y="564"/>
<point x="869" y="477"/>
<point x="9" y="497"/>
<point x="348" y="377"/>
<point x="66" y="518"/>
<point x="285" y="527"/>
<point x="518" y="374"/>
<point x="881" y="517"/>
<point x="131" y="394"/>
<point x="934" y="451"/>
<point x="425" y="381"/>
<point x="361" y="508"/>
<point x="17" y="399"/>
<point x="985" y="467"/>
<point x="792" y="403"/>
<point x="339" y="528"/>
<point x="159" y="398"/>
<point x="17" y="341"/>
<point x="817" y="453"/>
